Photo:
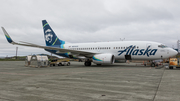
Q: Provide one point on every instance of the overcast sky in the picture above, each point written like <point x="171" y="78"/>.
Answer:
<point x="78" y="21"/>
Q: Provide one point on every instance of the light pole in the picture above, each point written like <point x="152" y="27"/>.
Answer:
<point x="16" y="52"/>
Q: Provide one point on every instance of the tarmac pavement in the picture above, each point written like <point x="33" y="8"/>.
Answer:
<point x="118" y="82"/>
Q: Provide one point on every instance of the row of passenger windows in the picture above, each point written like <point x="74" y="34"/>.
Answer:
<point x="125" y="47"/>
<point x="100" y="48"/>
<point x="91" y="48"/>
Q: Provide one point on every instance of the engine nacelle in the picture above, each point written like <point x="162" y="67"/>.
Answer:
<point x="103" y="59"/>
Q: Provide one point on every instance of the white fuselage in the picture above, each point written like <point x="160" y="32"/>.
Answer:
<point x="137" y="50"/>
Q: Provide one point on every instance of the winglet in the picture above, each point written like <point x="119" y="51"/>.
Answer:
<point x="7" y="36"/>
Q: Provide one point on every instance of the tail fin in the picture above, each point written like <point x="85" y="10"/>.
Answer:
<point x="50" y="37"/>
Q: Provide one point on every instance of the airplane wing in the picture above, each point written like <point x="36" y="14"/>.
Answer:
<point x="61" y="50"/>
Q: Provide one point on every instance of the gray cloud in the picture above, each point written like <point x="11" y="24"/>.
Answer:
<point x="89" y="21"/>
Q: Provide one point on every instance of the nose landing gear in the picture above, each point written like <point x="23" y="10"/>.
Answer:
<point x="153" y="64"/>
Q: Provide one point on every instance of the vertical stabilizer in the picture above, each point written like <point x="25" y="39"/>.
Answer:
<point x="50" y="37"/>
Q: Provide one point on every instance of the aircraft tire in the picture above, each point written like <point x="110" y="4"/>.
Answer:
<point x="87" y="63"/>
<point x="152" y="64"/>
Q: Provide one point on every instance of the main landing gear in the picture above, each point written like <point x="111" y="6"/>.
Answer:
<point x="87" y="62"/>
<point x="153" y="64"/>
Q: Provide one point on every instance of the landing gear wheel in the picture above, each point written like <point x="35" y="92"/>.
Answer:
<point x="87" y="63"/>
<point x="152" y="64"/>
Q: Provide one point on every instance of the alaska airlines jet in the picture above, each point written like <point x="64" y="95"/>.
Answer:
<point x="100" y="52"/>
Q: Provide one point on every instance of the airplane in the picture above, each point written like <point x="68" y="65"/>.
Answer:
<point x="100" y="52"/>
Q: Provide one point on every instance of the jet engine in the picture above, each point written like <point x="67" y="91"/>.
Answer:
<point x="103" y="59"/>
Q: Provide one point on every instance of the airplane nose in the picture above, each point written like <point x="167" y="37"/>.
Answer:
<point x="173" y="52"/>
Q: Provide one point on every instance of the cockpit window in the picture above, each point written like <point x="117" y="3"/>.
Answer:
<point x="162" y="46"/>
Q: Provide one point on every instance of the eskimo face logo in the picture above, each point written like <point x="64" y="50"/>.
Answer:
<point x="48" y="36"/>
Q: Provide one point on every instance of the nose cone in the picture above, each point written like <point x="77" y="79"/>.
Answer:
<point x="173" y="52"/>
